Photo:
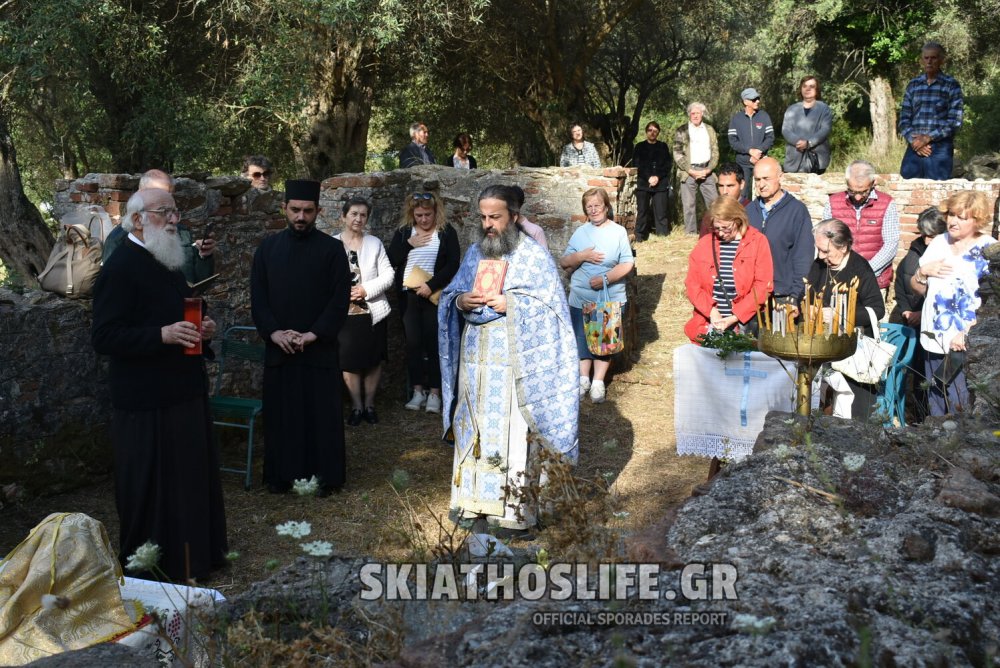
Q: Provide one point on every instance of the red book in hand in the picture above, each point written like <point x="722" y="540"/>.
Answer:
<point x="489" y="277"/>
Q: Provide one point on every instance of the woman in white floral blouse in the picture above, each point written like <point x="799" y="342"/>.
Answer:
<point x="949" y="275"/>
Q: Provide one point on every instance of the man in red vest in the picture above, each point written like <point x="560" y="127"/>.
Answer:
<point x="872" y="217"/>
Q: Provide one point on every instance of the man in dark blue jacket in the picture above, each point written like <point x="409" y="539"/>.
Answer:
<point x="785" y="222"/>
<point x="751" y="135"/>
<point x="416" y="152"/>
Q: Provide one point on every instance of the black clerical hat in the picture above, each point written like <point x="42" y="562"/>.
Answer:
<point x="307" y="191"/>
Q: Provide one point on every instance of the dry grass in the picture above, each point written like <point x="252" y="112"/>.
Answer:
<point x="627" y="441"/>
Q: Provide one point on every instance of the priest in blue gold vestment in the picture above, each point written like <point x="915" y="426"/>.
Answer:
<point x="510" y="376"/>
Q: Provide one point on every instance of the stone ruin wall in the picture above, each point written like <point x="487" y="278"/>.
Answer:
<point x="54" y="399"/>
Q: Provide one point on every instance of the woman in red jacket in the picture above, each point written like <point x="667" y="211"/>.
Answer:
<point x="729" y="272"/>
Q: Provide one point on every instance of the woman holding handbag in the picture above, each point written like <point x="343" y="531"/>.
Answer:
<point x="600" y="257"/>
<point x="836" y="263"/>
<point x="730" y="272"/>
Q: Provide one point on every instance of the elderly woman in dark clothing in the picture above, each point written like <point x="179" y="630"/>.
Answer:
<point x="425" y="254"/>
<point x="930" y="223"/>
<point x="909" y="303"/>
<point x="837" y="263"/>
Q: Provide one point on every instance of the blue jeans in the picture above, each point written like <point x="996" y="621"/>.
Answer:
<point x="936" y="166"/>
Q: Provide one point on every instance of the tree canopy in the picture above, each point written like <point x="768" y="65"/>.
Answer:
<point x="115" y="85"/>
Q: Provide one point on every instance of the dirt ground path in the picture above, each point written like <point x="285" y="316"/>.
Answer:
<point x="628" y="440"/>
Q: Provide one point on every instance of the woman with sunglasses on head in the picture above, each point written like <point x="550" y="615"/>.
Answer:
<point x="363" y="336"/>
<point x="424" y="245"/>
<point x="729" y="272"/>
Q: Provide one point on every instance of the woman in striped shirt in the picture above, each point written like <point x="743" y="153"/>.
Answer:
<point x="729" y="272"/>
<point x="425" y="245"/>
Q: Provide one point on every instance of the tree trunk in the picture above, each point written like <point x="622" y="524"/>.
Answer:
<point x="883" y="111"/>
<point x="336" y="138"/>
<point x="25" y="241"/>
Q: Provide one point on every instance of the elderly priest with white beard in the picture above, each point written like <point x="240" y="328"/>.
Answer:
<point x="167" y="487"/>
<point x="510" y="377"/>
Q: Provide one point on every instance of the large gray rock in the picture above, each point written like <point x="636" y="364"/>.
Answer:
<point x="853" y="545"/>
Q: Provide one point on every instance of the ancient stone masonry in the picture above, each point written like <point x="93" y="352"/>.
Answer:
<point x="912" y="196"/>
<point x="54" y="404"/>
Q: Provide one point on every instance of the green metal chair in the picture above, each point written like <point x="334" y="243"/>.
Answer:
<point x="238" y="343"/>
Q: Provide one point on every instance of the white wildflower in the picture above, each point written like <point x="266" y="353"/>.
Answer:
<point x="304" y="487"/>
<point x="782" y="451"/>
<point x="318" y="548"/>
<point x="753" y="624"/>
<point x="145" y="557"/>
<point x="621" y="514"/>
<point x="853" y="462"/>
<point x="294" y="529"/>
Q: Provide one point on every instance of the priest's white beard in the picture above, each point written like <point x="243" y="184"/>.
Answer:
<point x="164" y="246"/>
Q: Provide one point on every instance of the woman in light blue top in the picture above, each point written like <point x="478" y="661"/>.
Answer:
<point x="599" y="250"/>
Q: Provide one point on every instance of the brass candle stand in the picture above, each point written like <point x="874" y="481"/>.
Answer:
<point x="809" y="353"/>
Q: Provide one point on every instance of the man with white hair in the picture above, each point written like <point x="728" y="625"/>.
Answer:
<point x="199" y="255"/>
<point x="696" y="154"/>
<point x="930" y="116"/>
<point x="167" y="487"/>
<point x="416" y="152"/>
<point x="872" y="217"/>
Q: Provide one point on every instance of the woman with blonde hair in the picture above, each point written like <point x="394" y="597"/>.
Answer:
<point x="729" y="272"/>
<point x="949" y="274"/>
<point x="426" y="254"/>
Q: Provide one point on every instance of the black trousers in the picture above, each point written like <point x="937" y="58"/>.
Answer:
<point x="660" y="200"/>
<point x="420" y="325"/>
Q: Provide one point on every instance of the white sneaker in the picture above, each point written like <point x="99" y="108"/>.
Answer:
<point x="418" y="401"/>
<point x="597" y="393"/>
<point x="584" y="385"/>
<point x="434" y="403"/>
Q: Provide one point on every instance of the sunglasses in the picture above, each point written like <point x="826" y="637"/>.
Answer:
<point x="755" y="99"/>
<point x="422" y="196"/>
<point x="257" y="175"/>
<point x="353" y="256"/>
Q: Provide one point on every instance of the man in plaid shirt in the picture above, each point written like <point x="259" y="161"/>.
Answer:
<point x="929" y="119"/>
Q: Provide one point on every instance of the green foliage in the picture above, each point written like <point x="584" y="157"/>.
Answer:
<point x="727" y="342"/>
<point x="981" y="127"/>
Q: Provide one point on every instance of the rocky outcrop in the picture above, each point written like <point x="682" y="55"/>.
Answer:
<point x="853" y="545"/>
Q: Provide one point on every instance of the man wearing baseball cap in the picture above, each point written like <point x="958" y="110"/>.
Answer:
<point x="751" y="135"/>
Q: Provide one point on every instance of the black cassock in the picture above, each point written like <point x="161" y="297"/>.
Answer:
<point x="301" y="281"/>
<point x="167" y="487"/>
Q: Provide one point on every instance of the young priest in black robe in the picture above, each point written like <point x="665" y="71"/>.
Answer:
<point x="167" y="487"/>
<point x="299" y="293"/>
